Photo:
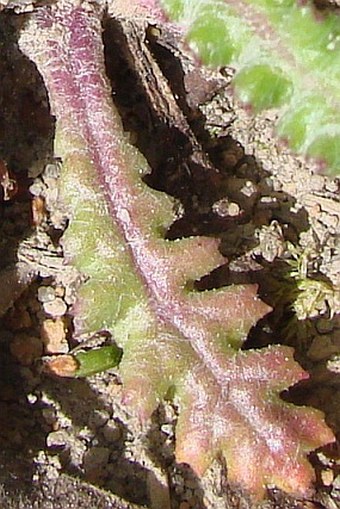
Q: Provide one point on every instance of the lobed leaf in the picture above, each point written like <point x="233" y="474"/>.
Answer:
<point x="285" y="56"/>
<point x="138" y="284"/>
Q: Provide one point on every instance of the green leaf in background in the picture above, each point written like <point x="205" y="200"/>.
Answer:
<point x="285" y="56"/>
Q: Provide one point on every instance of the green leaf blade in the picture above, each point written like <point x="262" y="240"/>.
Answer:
<point x="284" y="57"/>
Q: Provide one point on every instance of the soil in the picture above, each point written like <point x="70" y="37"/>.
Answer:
<point x="70" y="443"/>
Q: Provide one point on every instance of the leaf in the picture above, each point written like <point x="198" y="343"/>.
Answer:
<point x="84" y="363"/>
<point x="285" y="56"/>
<point x="138" y="284"/>
<point x="245" y="418"/>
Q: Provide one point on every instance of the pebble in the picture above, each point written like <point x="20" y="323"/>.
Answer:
<point x="18" y="319"/>
<point x="225" y="208"/>
<point x="324" y="459"/>
<point x="51" y="171"/>
<point x="57" y="439"/>
<point x="331" y="221"/>
<point x="37" y="188"/>
<point x="32" y="398"/>
<point x="184" y="505"/>
<point x="332" y="186"/>
<point x="26" y="349"/>
<point x="55" y="308"/>
<point x="53" y="335"/>
<point x="267" y="201"/>
<point x="276" y="185"/>
<point x="233" y="209"/>
<point x="191" y="484"/>
<point x="49" y="415"/>
<point x="188" y="493"/>
<point x="46" y="294"/>
<point x="59" y="291"/>
<point x="86" y="435"/>
<point x="98" y="418"/>
<point x="58" y="219"/>
<point x="336" y="483"/>
<point x="323" y="325"/>
<point x="322" y="347"/>
<point x="61" y="365"/>
<point x="317" y="182"/>
<point x="50" y="182"/>
<point x="167" y="429"/>
<point x="333" y="364"/>
<point x="249" y="189"/>
<point x="192" y="501"/>
<point x="111" y="432"/>
<point x="327" y="477"/>
<point x="69" y="296"/>
<point x="96" y="459"/>
<point x="229" y="158"/>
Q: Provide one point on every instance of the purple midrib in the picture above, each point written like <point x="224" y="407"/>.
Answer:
<point x="78" y="81"/>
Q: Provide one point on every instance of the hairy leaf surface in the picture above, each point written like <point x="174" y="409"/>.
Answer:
<point x="285" y="56"/>
<point x="138" y="284"/>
